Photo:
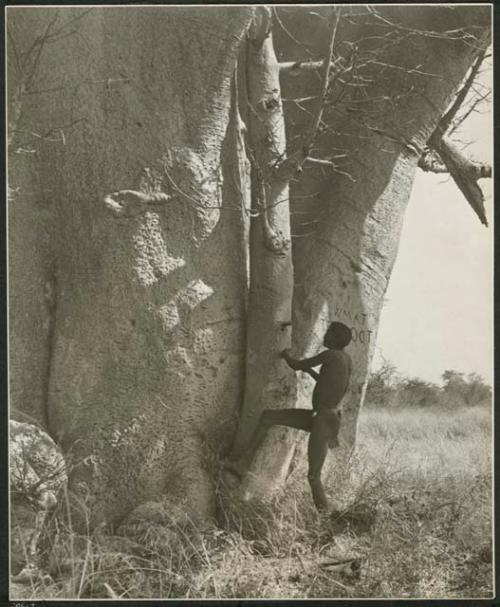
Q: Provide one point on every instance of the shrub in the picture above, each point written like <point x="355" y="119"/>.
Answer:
<point x="387" y="388"/>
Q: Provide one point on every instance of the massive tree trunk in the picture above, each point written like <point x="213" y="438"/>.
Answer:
<point x="128" y="238"/>
<point x="137" y="363"/>
<point x="343" y="268"/>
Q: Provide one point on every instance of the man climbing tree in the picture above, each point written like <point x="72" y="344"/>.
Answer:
<point x="323" y="420"/>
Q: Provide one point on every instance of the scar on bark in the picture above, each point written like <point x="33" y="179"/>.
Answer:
<point x="129" y="203"/>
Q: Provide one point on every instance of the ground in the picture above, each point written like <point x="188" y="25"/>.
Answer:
<point x="419" y="525"/>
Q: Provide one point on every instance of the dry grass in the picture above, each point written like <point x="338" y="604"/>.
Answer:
<point x="419" y="525"/>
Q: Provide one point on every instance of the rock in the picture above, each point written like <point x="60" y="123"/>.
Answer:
<point x="37" y="474"/>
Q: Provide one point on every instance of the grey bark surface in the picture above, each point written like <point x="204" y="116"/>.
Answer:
<point x="31" y="278"/>
<point x="146" y="360"/>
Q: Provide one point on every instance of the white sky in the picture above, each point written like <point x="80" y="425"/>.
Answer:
<point x="438" y="312"/>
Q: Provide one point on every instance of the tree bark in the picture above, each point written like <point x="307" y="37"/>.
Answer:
<point x="148" y="320"/>
<point x="269" y="382"/>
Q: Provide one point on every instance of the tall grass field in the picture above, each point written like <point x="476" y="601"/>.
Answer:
<point x="418" y="525"/>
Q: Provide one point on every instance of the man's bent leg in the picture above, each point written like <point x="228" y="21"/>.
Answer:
<point x="299" y="419"/>
<point x="316" y="453"/>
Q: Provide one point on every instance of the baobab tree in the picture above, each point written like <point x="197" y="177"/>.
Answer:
<point x="193" y="189"/>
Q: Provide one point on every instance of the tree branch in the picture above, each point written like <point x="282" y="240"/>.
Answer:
<point x="293" y="164"/>
<point x="320" y="104"/>
<point x="321" y="161"/>
<point x="472" y="108"/>
<point x="465" y="173"/>
<point x="430" y="162"/>
<point x="294" y="68"/>
<point x="448" y="117"/>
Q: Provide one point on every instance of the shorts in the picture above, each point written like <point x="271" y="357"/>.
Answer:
<point x="330" y="424"/>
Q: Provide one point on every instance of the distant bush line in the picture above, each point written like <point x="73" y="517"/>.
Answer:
<point x="388" y="388"/>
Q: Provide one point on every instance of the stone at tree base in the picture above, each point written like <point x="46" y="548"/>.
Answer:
<point x="37" y="475"/>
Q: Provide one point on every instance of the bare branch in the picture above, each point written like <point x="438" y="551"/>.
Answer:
<point x="300" y="99"/>
<point x="475" y="170"/>
<point x="456" y="34"/>
<point x="448" y="117"/>
<point x="14" y="49"/>
<point x="289" y="34"/>
<point x="331" y="165"/>
<point x="320" y="161"/>
<point x="465" y="173"/>
<point x="472" y="108"/>
<point x="408" y="70"/>
<point x="70" y="21"/>
<point x="41" y="41"/>
<point x="55" y="36"/>
<point x="320" y="104"/>
<point x="294" y="68"/>
<point x="293" y="164"/>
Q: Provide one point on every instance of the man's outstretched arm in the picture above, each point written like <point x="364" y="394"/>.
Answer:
<point x="306" y="364"/>
<point x="312" y="373"/>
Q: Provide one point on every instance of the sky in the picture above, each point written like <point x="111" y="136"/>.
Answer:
<point x="438" y="310"/>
